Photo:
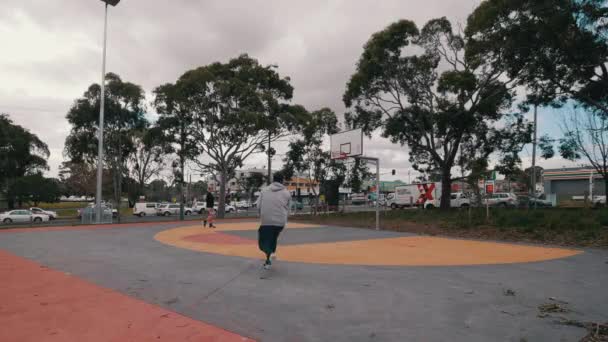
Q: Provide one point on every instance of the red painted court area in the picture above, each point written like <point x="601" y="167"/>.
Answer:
<point x="41" y="304"/>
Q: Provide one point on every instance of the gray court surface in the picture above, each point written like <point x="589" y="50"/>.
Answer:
<point x="308" y="302"/>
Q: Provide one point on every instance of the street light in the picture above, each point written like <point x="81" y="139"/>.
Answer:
<point x="101" y="111"/>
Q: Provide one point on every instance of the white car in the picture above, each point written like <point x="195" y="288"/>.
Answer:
<point x="22" y="215"/>
<point x="143" y="209"/>
<point x="229" y="208"/>
<point x="171" y="209"/>
<point x="243" y="205"/>
<point x="598" y="201"/>
<point x="51" y="214"/>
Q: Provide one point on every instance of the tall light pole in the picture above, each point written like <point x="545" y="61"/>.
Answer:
<point x="98" y="209"/>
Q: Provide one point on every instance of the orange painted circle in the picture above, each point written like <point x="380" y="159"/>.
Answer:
<point x="398" y="251"/>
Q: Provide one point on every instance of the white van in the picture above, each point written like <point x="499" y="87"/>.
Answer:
<point x="143" y="209"/>
<point x="425" y="195"/>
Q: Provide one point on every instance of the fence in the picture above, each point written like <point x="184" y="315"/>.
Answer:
<point x="89" y="215"/>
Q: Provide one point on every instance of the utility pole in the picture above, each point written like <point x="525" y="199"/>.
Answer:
<point x="269" y="181"/>
<point x="534" y="155"/>
<point x="377" y="162"/>
<point x="98" y="193"/>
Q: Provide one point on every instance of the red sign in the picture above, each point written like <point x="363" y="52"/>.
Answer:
<point x="426" y="193"/>
<point x="490" y="188"/>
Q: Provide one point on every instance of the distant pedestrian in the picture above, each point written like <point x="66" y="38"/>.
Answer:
<point x="209" y="206"/>
<point x="210" y="217"/>
<point x="273" y="206"/>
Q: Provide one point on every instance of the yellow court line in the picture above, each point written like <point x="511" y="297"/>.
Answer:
<point x="399" y="251"/>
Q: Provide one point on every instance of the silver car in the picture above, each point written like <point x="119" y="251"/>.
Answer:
<point x="22" y="215"/>
<point x="501" y="199"/>
<point x="51" y="214"/>
<point x="171" y="209"/>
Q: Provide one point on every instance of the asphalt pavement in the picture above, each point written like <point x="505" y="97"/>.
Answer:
<point x="302" y="301"/>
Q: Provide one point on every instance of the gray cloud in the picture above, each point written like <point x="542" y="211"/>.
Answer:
<point x="316" y="43"/>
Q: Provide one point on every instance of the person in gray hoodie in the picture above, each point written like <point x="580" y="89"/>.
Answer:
<point x="273" y="206"/>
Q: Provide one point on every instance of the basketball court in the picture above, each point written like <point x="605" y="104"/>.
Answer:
<point x="177" y="281"/>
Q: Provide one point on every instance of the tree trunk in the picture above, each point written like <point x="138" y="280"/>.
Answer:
<point x="181" y="190"/>
<point x="221" y="204"/>
<point x="446" y="190"/>
<point x="119" y="197"/>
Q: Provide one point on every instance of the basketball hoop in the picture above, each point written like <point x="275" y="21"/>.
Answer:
<point x="347" y="144"/>
<point x="340" y="157"/>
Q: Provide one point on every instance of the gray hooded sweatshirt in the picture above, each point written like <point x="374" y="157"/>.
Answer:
<point x="273" y="205"/>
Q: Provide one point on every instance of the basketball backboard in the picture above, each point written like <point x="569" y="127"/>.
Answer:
<point x="347" y="144"/>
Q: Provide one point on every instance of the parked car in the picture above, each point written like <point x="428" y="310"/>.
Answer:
<point x="106" y="207"/>
<point x="598" y="201"/>
<point x="242" y="205"/>
<point x="143" y="209"/>
<point x="501" y="199"/>
<point x="22" y="215"/>
<point x="296" y="205"/>
<point x="526" y="201"/>
<point x="358" y="199"/>
<point x="229" y="208"/>
<point x="457" y="200"/>
<point x="171" y="209"/>
<point x="51" y="214"/>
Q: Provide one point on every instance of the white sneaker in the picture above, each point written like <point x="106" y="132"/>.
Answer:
<point x="267" y="266"/>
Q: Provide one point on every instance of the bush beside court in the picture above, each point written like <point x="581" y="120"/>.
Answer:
<point x="568" y="227"/>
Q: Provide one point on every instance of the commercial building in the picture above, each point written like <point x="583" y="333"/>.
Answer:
<point x="235" y="184"/>
<point x="573" y="183"/>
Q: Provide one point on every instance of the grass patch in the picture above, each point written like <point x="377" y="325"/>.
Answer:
<point x="61" y="205"/>
<point x="560" y="226"/>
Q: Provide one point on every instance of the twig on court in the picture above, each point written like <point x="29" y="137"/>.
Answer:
<point x="221" y="287"/>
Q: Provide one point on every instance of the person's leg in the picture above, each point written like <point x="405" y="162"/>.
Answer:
<point x="275" y="237"/>
<point x="265" y="241"/>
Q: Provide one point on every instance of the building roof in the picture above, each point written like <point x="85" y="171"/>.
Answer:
<point x="570" y="173"/>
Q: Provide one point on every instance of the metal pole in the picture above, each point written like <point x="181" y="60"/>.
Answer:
<point x="377" y="194"/>
<point x="591" y="187"/>
<point x="181" y="193"/>
<point x="101" y="113"/>
<point x="534" y="156"/>
<point x="269" y="161"/>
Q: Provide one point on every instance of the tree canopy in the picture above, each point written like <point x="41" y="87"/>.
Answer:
<point x="123" y="116"/>
<point x="225" y="113"/>
<point x="21" y="151"/>
<point x="417" y="86"/>
<point x="22" y="154"/>
<point x="557" y="49"/>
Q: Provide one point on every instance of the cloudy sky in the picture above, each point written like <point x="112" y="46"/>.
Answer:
<point x="51" y="51"/>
